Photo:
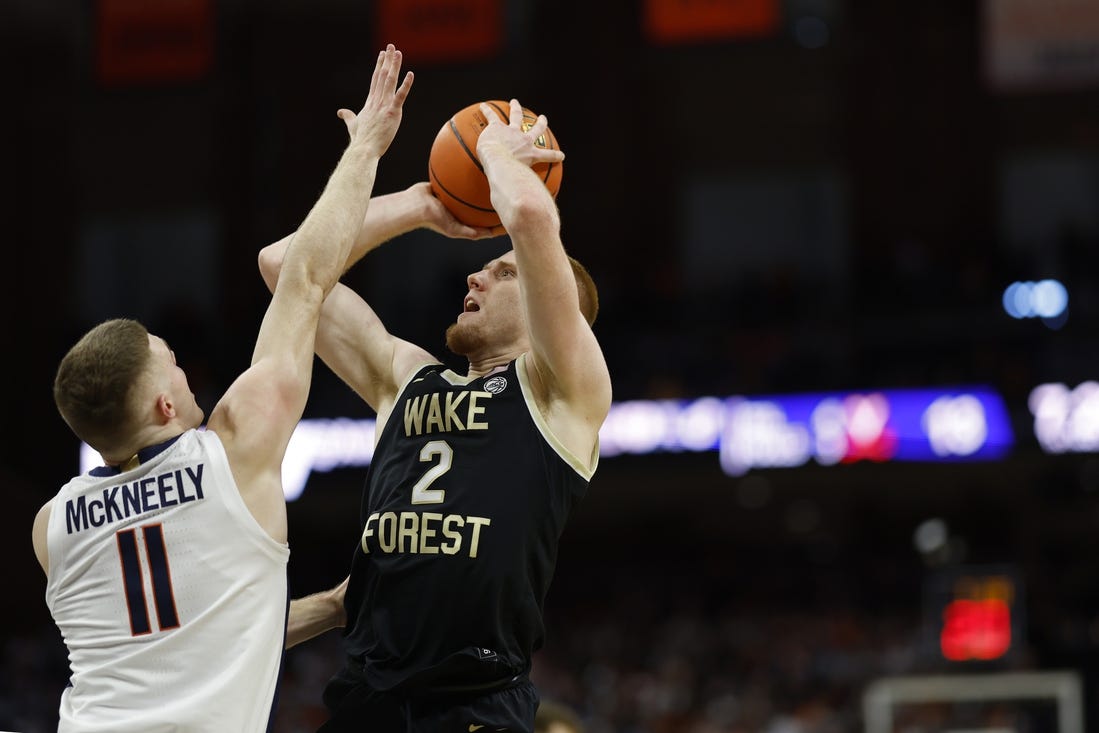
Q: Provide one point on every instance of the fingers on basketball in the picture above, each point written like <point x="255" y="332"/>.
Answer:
<point x="455" y="173"/>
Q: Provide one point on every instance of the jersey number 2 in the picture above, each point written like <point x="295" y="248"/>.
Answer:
<point x="133" y="581"/>
<point x="435" y="449"/>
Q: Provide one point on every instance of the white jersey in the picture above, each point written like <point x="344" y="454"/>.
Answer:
<point x="170" y="597"/>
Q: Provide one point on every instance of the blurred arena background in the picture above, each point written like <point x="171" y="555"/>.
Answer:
<point x="847" y="251"/>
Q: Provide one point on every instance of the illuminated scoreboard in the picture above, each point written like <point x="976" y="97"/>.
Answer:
<point x="782" y="431"/>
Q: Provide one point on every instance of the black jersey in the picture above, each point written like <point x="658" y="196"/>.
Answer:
<point x="465" y="500"/>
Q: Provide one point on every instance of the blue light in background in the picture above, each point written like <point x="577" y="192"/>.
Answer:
<point x="1047" y="299"/>
<point x="958" y="424"/>
<point x="963" y="424"/>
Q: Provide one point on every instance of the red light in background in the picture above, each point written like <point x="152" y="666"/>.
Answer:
<point x="975" y="630"/>
<point x="869" y="436"/>
<point x="140" y="42"/>
<point x="687" y="21"/>
<point x="441" y="30"/>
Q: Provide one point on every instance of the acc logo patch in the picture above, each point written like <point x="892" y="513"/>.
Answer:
<point x="496" y="385"/>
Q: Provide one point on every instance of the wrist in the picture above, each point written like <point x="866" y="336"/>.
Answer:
<point x="403" y="211"/>
<point x="362" y="152"/>
<point x="336" y="613"/>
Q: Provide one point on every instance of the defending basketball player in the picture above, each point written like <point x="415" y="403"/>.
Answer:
<point x="474" y="475"/>
<point x="166" y="567"/>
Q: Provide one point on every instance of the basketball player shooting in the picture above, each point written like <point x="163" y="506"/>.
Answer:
<point x="474" y="475"/>
<point x="166" y="567"/>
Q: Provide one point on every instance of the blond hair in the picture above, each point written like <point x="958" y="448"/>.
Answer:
<point x="96" y="381"/>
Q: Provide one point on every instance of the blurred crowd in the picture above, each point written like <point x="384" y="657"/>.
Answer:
<point x="689" y="673"/>
<point x="638" y="664"/>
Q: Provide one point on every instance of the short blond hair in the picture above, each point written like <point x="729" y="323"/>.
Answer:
<point x="96" y="381"/>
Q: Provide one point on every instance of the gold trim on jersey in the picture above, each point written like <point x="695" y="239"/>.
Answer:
<point x="412" y="376"/>
<point x="454" y="379"/>
<point x="543" y="427"/>
<point x="379" y="425"/>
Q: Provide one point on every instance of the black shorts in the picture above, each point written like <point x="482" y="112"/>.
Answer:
<point x="356" y="708"/>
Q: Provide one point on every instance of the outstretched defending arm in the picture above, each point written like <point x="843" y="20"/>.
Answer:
<point x="351" y="339"/>
<point x="258" y="413"/>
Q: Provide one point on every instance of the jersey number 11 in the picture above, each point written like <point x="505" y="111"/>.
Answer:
<point x="133" y="581"/>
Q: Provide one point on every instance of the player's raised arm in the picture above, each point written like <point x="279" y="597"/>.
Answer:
<point x="564" y="350"/>
<point x="351" y="339"/>
<point x="258" y="413"/>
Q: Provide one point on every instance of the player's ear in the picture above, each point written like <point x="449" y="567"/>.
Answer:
<point x="165" y="408"/>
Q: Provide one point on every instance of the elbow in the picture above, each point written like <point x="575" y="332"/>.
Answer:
<point x="531" y="210"/>
<point x="270" y="263"/>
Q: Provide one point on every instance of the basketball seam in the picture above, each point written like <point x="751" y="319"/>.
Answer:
<point x="505" y="115"/>
<point x="460" y="200"/>
<point x="470" y="153"/>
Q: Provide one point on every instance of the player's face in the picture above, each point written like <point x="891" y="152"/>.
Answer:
<point x="172" y="380"/>
<point x="492" y="313"/>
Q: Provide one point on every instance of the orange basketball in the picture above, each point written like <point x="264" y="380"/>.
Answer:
<point x="455" y="172"/>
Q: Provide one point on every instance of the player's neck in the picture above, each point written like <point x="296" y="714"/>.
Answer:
<point x="482" y="366"/>
<point x="126" y="456"/>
